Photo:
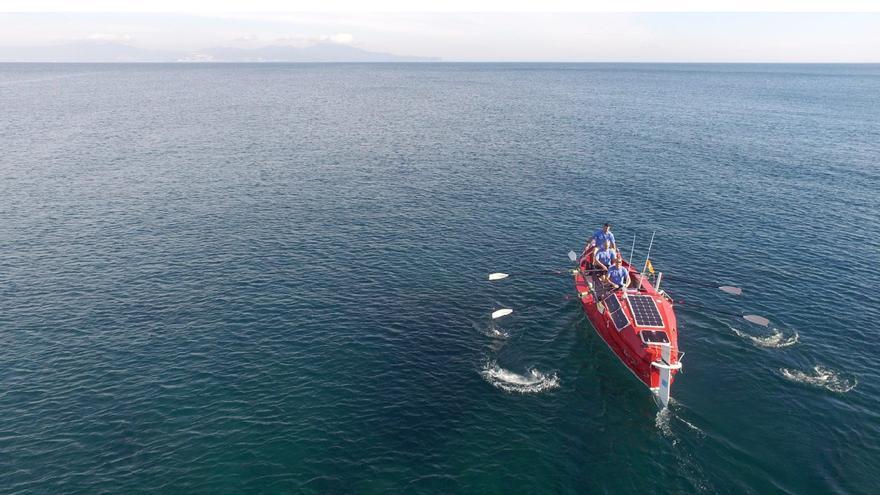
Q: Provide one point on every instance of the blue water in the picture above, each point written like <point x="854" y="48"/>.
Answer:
<point x="271" y="278"/>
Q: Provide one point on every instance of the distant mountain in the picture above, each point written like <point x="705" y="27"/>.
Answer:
<point x="108" y="51"/>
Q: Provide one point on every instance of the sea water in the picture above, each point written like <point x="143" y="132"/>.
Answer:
<point x="272" y="278"/>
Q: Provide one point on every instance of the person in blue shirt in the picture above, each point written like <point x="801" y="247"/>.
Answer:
<point x="603" y="258"/>
<point x="599" y="238"/>
<point x="618" y="275"/>
<point x="602" y="235"/>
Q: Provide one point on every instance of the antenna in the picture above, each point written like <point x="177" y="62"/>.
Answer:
<point x="648" y="257"/>
<point x="633" y="250"/>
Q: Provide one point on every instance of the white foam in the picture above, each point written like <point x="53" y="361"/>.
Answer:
<point x="664" y="418"/>
<point x="532" y="382"/>
<point x="821" y="377"/>
<point x="496" y="332"/>
<point x="775" y="340"/>
<point x="493" y="330"/>
<point x="691" y="426"/>
<point x="663" y="422"/>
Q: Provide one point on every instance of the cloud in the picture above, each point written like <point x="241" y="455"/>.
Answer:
<point x="338" y="38"/>
<point x="118" y="38"/>
<point x="341" y="38"/>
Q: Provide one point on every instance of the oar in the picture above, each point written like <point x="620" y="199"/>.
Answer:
<point x="501" y="312"/>
<point x="757" y="320"/>
<point x="501" y="276"/>
<point x="729" y="289"/>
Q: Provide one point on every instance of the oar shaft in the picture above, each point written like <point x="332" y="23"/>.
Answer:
<point x="728" y="289"/>
<point x="548" y="272"/>
<point x="689" y="281"/>
<point x="758" y="320"/>
<point x="716" y="310"/>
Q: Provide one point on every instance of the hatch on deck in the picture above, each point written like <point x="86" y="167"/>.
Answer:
<point x="654" y="336"/>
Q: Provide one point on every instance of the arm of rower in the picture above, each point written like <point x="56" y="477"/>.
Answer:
<point x="587" y="247"/>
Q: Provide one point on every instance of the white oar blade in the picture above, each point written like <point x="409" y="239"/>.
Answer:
<point x="736" y="291"/>
<point x="572" y="256"/>
<point x="498" y="276"/>
<point x="757" y="320"/>
<point x="501" y="312"/>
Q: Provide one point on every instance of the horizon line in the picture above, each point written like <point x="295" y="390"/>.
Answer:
<point x="424" y="62"/>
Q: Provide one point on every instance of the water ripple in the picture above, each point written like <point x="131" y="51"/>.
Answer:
<point x="276" y="284"/>
<point x="776" y="340"/>
<point x="823" y="377"/>
<point x="532" y="382"/>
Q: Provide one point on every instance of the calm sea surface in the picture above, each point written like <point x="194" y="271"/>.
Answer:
<point x="272" y="278"/>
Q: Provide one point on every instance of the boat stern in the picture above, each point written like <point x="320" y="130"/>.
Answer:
<point x="665" y="368"/>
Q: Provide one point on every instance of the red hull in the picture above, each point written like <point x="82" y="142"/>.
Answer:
<point x="639" y="347"/>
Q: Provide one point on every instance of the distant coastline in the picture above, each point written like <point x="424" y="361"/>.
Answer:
<point x="115" y="52"/>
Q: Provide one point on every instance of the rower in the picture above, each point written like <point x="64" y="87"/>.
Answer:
<point x="603" y="258"/>
<point x="599" y="238"/>
<point x="618" y="275"/>
<point x="604" y="234"/>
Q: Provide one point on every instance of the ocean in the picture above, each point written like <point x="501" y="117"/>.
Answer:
<point x="272" y="278"/>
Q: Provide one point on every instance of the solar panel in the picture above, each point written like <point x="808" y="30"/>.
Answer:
<point x="645" y="312"/>
<point x="620" y="320"/>
<point x="618" y="316"/>
<point x="612" y="303"/>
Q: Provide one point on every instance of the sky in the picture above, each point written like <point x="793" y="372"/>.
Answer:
<point x="525" y="31"/>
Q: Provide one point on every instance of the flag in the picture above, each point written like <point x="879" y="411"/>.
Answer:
<point x="650" y="267"/>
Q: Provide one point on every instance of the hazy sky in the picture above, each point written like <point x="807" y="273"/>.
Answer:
<point x="513" y="36"/>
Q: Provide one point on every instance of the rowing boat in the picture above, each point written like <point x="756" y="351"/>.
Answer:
<point x="637" y="323"/>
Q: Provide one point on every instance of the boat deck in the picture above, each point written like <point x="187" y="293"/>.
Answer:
<point x="603" y="288"/>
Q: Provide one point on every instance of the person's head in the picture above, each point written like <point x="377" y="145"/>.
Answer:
<point x="606" y="227"/>
<point x="607" y="245"/>
<point x="618" y="262"/>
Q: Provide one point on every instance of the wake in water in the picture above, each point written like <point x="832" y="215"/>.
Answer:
<point x="532" y="382"/>
<point x="821" y="377"/>
<point x="664" y="418"/>
<point x="493" y="331"/>
<point x="775" y="340"/>
<point x="684" y="461"/>
<point x="496" y="332"/>
<point x="662" y="421"/>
